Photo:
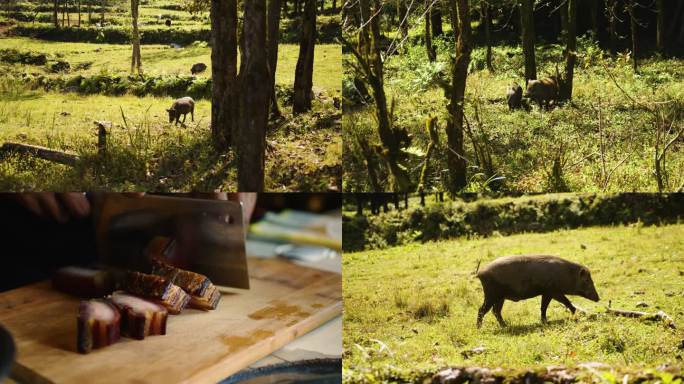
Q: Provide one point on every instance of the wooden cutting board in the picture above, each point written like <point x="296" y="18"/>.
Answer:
<point x="285" y="301"/>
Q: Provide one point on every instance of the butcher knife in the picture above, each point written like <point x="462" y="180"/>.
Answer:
<point x="200" y="235"/>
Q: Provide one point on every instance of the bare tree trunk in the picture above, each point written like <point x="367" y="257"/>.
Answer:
<point x="136" y="59"/>
<point x="254" y="99"/>
<point x="55" y="10"/>
<point x="563" y="13"/>
<point x="431" y="54"/>
<point x="90" y="12"/>
<point x="304" y="70"/>
<point x="459" y="73"/>
<point x="527" y="26"/>
<point x="272" y="37"/>
<point x="611" y="8"/>
<point x="570" y="51"/>
<point x="660" y="36"/>
<point x="334" y="6"/>
<point x="224" y="90"/>
<point x="79" y="13"/>
<point x="403" y="10"/>
<point x="487" y="24"/>
<point x="594" y="12"/>
<point x="633" y="29"/>
<point x="436" y="20"/>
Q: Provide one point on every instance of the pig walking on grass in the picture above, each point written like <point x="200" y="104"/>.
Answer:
<point x="182" y="106"/>
<point x="522" y="277"/>
<point x="543" y="91"/>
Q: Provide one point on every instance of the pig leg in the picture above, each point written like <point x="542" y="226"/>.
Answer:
<point x="564" y="300"/>
<point x="546" y="299"/>
<point x="497" y="312"/>
<point x="192" y="114"/>
<point x="486" y="306"/>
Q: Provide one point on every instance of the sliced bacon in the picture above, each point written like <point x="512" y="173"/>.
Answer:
<point x="204" y="295"/>
<point x="83" y="282"/>
<point x="140" y="317"/>
<point x="98" y="325"/>
<point x="158" y="289"/>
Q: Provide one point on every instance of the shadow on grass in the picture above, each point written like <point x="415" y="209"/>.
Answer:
<point x="524" y="329"/>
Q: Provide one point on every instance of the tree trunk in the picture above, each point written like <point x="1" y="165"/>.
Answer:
<point x="55" y="11"/>
<point x="564" y="19"/>
<point x="304" y="70"/>
<point x="570" y="50"/>
<point x="487" y="25"/>
<point x="79" y="13"/>
<point x="436" y="16"/>
<point x="136" y="59"/>
<point x="296" y="8"/>
<point x="459" y="71"/>
<point x="254" y="99"/>
<point x="633" y="29"/>
<point x="660" y="36"/>
<point x="611" y="6"/>
<point x="431" y="54"/>
<point x="90" y="13"/>
<point x="272" y="37"/>
<point x="334" y="6"/>
<point x="594" y="13"/>
<point x="527" y="26"/>
<point x="64" y="12"/>
<point x="403" y="24"/>
<point x="224" y="113"/>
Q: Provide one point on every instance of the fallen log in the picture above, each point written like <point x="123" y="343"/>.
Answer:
<point x="41" y="152"/>
<point x="658" y="316"/>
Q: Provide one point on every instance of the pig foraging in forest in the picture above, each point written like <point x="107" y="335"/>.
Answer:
<point x="182" y="106"/>
<point x="522" y="277"/>
<point x="543" y="91"/>
<point x="514" y="96"/>
<point x="198" y="68"/>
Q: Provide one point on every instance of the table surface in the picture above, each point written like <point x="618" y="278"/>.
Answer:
<point x="323" y="342"/>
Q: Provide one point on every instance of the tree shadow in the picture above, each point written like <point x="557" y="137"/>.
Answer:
<point x="524" y="329"/>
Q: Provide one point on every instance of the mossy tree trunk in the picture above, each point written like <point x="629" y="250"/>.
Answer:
<point x="224" y="24"/>
<point x="304" y="70"/>
<point x="136" y="59"/>
<point x="272" y="37"/>
<point x="570" y="51"/>
<point x="460" y="12"/>
<point x="255" y="97"/>
<point x="527" y="26"/>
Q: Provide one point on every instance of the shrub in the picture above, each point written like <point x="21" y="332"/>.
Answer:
<point x="487" y="217"/>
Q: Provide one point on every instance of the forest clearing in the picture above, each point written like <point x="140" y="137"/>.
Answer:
<point x="68" y="74"/>
<point x="612" y="119"/>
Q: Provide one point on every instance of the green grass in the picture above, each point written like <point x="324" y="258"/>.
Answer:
<point x="160" y="59"/>
<point x="414" y="307"/>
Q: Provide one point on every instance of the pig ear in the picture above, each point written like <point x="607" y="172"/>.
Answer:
<point x="583" y="273"/>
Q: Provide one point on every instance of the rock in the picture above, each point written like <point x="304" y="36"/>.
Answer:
<point x="474" y="351"/>
<point x="642" y="304"/>
<point x="593" y="364"/>
<point x="103" y="124"/>
<point x="64" y="113"/>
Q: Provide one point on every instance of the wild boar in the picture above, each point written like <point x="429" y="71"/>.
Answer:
<point x="198" y="68"/>
<point x="522" y="277"/>
<point x="543" y="91"/>
<point x="182" y="106"/>
<point x="514" y="96"/>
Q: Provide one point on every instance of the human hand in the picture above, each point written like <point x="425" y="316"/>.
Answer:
<point x="60" y="207"/>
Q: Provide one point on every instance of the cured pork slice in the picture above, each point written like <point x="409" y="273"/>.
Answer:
<point x="83" y="282"/>
<point x="140" y="317"/>
<point x="158" y="289"/>
<point x="98" y="324"/>
<point x="204" y="295"/>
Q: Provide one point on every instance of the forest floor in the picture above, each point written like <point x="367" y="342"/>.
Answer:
<point x="604" y="140"/>
<point x="413" y="308"/>
<point x="145" y="151"/>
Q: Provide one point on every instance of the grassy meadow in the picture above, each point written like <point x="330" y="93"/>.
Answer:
<point x="413" y="308"/>
<point x="43" y="106"/>
<point x="604" y="140"/>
